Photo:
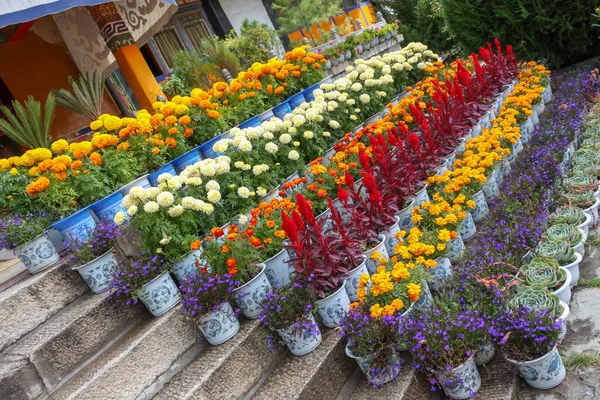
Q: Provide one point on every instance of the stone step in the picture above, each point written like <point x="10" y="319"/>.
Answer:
<point x="409" y="385"/>
<point x="155" y="348"/>
<point x="32" y="301"/>
<point x="227" y="371"/>
<point x="38" y="362"/>
<point x="318" y="375"/>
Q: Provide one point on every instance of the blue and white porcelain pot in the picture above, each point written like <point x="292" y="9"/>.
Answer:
<point x="390" y="234"/>
<point x="281" y="110"/>
<point x="491" y="188"/>
<point x="368" y="364"/>
<point x="467" y="227"/>
<point x="220" y="325"/>
<point x="563" y="321"/>
<point x="441" y="272"/>
<point x="333" y="308"/>
<point x="186" y="159"/>
<point x="278" y="269"/>
<point x="405" y="215"/>
<point x="142" y="181"/>
<point x="250" y="295"/>
<point x="481" y="209"/>
<point x="97" y="273"/>
<point x="547" y="94"/>
<point x="564" y="292"/>
<point x="37" y="254"/>
<point x="168" y="168"/>
<point x="187" y="266"/>
<point x="455" y="248"/>
<point x="485" y="353"/>
<point x="461" y="382"/>
<point x="545" y="372"/>
<point x="375" y="253"/>
<point x="421" y="196"/>
<point x="299" y="338"/>
<point x="77" y="226"/>
<point x="353" y="278"/>
<point x="109" y="206"/>
<point x="160" y="294"/>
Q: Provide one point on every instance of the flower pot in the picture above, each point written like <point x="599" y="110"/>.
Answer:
<point x="539" y="108"/>
<point x="300" y="339"/>
<point x="187" y="266"/>
<point x="372" y="119"/>
<point x="160" y="294"/>
<point x="518" y="147"/>
<point x="376" y="252"/>
<point x="266" y="115"/>
<point x="374" y="41"/>
<point x="37" y="254"/>
<point x="142" y="181"/>
<point x="359" y="48"/>
<point x="580" y="247"/>
<point x="369" y="366"/>
<point x="467" y="227"/>
<point x="585" y="226"/>
<point x="455" y="248"/>
<point x="505" y="167"/>
<point x="333" y="308"/>
<point x="296" y="100"/>
<point x="6" y="254"/>
<point x="325" y="219"/>
<point x="475" y="130"/>
<point x="367" y="45"/>
<point x="526" y="130"/>
<point x="485" y="353"/>
<point x="269" y="196"/>
<point x="425" y="298"/>
<point x="308" y="93"/>
<point x="250" y="123"/>
<point x="165" y="169"/>
<point x="348" y="54"/>
<point x="405" y="216"/>
<point x="491" y="190"/>
<point x="250" y="295"/>
<point x="97" y="273"/>
<point x="328" y="154"/>
<point x="77" y="226"/>
<point x="449" y="160"/>
<point x="351" y="283"/>
<point x="460" y="382"/>
<point x="545" y="372"/>
<point x="206" y="149"/>
<point x="220" y="325"/>
<point x="573" y="269"/>
<point x="421" y="196"/>
<point x="564" y="292"/>
<point x="390" y="233"/>
<point x="109" y="206"/>
<point x="284" y="108"/>
<point x="481" y="209"/>
<point x="534" y="117"/>
<point x="341" y="58"/>
<point x="462" y="146"/>
<point x="328" y="64"/>
<point x="563" y="321"/>
<point x="547" y="94"/>
<point x="441" y="272"/>
<point x="593" y="211"/>
<point x="334" y="61"/>
<point x="186" y="159"/>
<point x="278" y="270"/>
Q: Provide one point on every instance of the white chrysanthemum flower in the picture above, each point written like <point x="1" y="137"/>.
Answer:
<point x="349" y="68"/>
<point x="188" y="202"/>
<point x="120" y="218"/>
<point x="353" y="117"/>
<point x="268" y="135"/>
<point x="151" y="207"/>
<point x="398" y="67"/>
<point x="298" y="120"/>
<point x="292" y="130"/>
<point x="308" y="135"/>
<point x="304" y="106"/>
<point x="333" y="124"/>
<point x="243" y="192"/>
<point x="326" y="134"/>
<point x="175" y="183"/>
<point x="407" y="66"/>
<point x="208" y="170"/>
<point x="193" y="181"/>
<point x="151" y="193"/>
<point x="175" y="211"/>
<point x="165" y="199"/>
<point x="198" y="205"/>
<point x="221" y="146"/>
<point x="162" y="186"/>
<point x="356" y="87"/>
<point x="243" y="220"/>
<point x="351" y="102"/>
<point x="364" y="98"/>
<point x="208" y="208"/>
<point x="132" y="210"/>
<point x="164" y="177"/>
<point x="238" y="164"/>
<point x="293" y="155"/>
<point x="421" y="65"/>
<point x="212" y="185"/>
<point x="246" y="167"/>
<point x="129" y="201"/>
<point x="332" y="105"/>
<point x="318" y="92"/>
<point x="296" y="144"/>
<point x="261" y="191"/>
<point x="245" y="146"/>
<point x="222" y="168"/>
<point x="136" y="191"/>
<point x="271" y="148"/>
<point x="311" y="116"/>
<point x="221" y="159"/>
<point x="285" y="138"/>
<point x="319" y="118"/>
<point x="214" y="196"/>
<point x="166" y="239"/>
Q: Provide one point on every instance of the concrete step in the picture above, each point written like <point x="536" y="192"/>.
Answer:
<point x="318" y="375"/>
<point x="40" y="360"/>
<point x="32" y="301"/>
<point x="227" y="371"/>
<point x="409" y="385"/>
<point x="154" y="349"/>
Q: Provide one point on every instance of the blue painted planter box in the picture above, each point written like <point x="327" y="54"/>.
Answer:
<point x="206" y="148"/>
<point x="267" y="115"/>
<point x="281" y="110"/>
<point x="308" y="93"/>
<point x="77" y="226"/>
<point x="254" y="121"/>
<point x="167" y="168"/>
<point x="296" y="100"/>
<point x="109" y="206"/>
<point x="189" y="158"/>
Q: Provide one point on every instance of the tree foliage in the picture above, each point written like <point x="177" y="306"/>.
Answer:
<point x="253" y="44"/>
<point x="293" y="14"/>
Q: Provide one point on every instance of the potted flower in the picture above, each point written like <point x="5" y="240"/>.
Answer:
<point x="545" y="272"/>
<point x="287" y="312"/>
<point x="92" y="257"/>
<point x="573" y="216"/>
<point x="536" y="298"/>
<point x="528" y="339"/>
<point x="237" y="254"/>
<point x="561" y="251"/>
<point x="27" y="236"/>
<point x="569" y="233"/>
<point x="146" y="279"/>
<point x="206" y="302"/>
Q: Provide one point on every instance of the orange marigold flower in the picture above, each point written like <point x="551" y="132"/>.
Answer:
<point x="312" y="187"/>
<point x="254" y="241"/>
<point x="171" y="120"/>
<point x="123" y="146"/>
<point x="225" y="249"/>
<point x="188" y="132"/>
<point x="217" y="232"/>
<point x="213" y="114"/>
<point x="76" y="165"/>
<point x="155" y="150"/>
<point x="322" y="193"/>
<point x="279" y="234"/>
<point x="45" y="165"/>
<point x="61" y="176"/>
<point x="232" y="236"/>
<point x="58" y="168"/>
<point x="279" y="90"/>
<point x="195" y="245"/>
<point x="271" y="224"/>
<point x="171" y="142"/>
<point x="173" y="131"/>
<point x="37" y="186"/>
<point x="95" y="158"/>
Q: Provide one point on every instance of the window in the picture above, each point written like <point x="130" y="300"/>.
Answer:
<point x="168" y="42"/>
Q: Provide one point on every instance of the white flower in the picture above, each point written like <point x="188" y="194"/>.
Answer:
<point x="164" y="177"/>
<point x="308" y="135"/>
<point x="349" y="68"/>
<point x="292" y="130"/>
<point x="120" y="218"/>
<point x="239" y="164"/>
<point x="165" y="240"/>
<point x="151" y="193"/>
<point x="364" y="98"/>
<point x="242" y="219"/>
<point x="224" y="159"/>
<point x="285" y="138"/>
<point x="293" y="155"/>
<point x="221" y="146"/>
<point x="261" y="191"/>
<point x="128" y="201"/>
<point x="246" y="167"/>
<point x="271" y="148"/>
<point x="333" y="124"/>
<point x="243" y="192"/>
<point x="299" y="119"/>
<point x="188" y="202"/>
<point x="208" y="170"/>
<point x="165" y="199"/>
<point x="268" y="135"/>
<point x="212" y="185"/>
<point x="175" y="182"/>
<point x="131" y="211"/>
<point x="356" y="87"/>
<point x="353" y="117"/>
<point x="198" y="205"/>
<point x="208" y="209"/>
<point x="421" y="65"/>
<point x="214" y="196"/>
<point x="326" y="134"/>
<point x="296" y="144"/>
<point x="245" y="146"/>
<point x="136" y="191"/>
<point x="162" y="186"/>
<point x="193" y="181"/>
<point x="311" y="115"/>
<point x="222" y="167"/>
<point x="151" y="207"/>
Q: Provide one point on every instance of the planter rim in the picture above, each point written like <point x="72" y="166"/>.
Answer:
<point x="307" y="316"/>
<point x="531" y="361"/>
<point x="218" y="309"/>
<point x="95" y="259"/>
<point x="154" y="279"/>
<point x="411" y="203"/>
<point x="566" y="310"/>
<point x="362" y="257"/>
<point x="341" y="286"/>
<point x="270" y="258"/>
<point x="470" y="359"/>
<point x="578" y="258"/>
<point x="45" y="233"/>
<point x="352" y="355"/>
<point x="567" y="281"/>
<point x="596" y="204"/>
<point x="586" y="221"/>
<point x="381" y="241"/>
<point x="262" y="269"/>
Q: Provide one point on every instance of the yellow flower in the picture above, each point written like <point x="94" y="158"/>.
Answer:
<point x="398" y="304"/>
<point x="444" y="235"/>
<point x="376" y="311"/>
<point x="14" y="172"/>
<point x="95" y="125"/>
<point x="375" y="255"/>
<point x="112" y="123"/>
<point x="414" y="291"/>
<point x="471" y="204"/>
<point x="440" y="221"/>
<point x="60" y="146"/>
<point x="431" y="263"/>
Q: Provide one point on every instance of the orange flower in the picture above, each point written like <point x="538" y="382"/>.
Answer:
<point x="76" y="165"/>
<point x="155" y="150"/>
<point x="217" y="232"/>
<point x="322" y="193"/>
<point x="123" y="146"/>
<point x="225" y="249"/>
<point x="187" y="132"/>
<point x="95" y="158"/>
<point x="171" y="120"/>
<point x="254" y="241"/>
<point x="171" y="142"/>
<point x="231" y="266"/>
<point x="271" y="224"/>
<point x="58" y="168"/>
<point x="232" y="236"/>
<point x="45" y="165"/>
<point x="213" y="114"/>
<point x="173" y="131"/>
<point x="195" y="245"/>
<point x="38" y="186"/>
<point x="280" y="234"/>
<point x="268" y="240"/>
<point x="184" y="120"/>
<point x="312" y="187"/>
<point x="279" y="90"/>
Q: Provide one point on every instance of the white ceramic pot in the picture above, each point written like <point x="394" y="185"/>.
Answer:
<point x="333" y="308"/>
<point x="467" y="227"/>
<point x="564" y="292"/>
<point x="518" y="147"/>
<point x="573" y="269"/>
<point x="481" y="209"/>
<point x="374" y="376"/>
<point x="97" y="273"/>
<point x="187" y="266"/>
<point x="563" y="321"/>
<point x="461" y="382"/>
<point x="37" y="254"/>
<point x="593" y="212"/>
<point x="353" y="278"/>
<point x="250" y="295"/>
<point x="220" y="325"/>
<point x="421" y="196"/>
<point x="441" y="272"/>
<point x="526" y="128"/>
<point x="372" y="119"/>
<point x="580" y="247"/>
<point x="390" y="233"/>
<point x="534" y="117"/>
<point x="491" y="189"/>
<point x="485" y="353"/>
<point x="545" y="372"/>
<point x="539" y="108"/>
<point x="300" y="339"/>
<point x="455" y="248"/>
<point x="378" y="250"/>
<point x="160" y="294"/>
<point x="505" y="167"/>
<point x="585" y="226"/>
<point x="278" y="270"/>
<point x="547" y="94"/>
<point x="6" y="254"/>
<point x="405" y="216"/>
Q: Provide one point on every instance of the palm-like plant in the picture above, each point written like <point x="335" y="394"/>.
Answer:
<point x="215" y="51"/>
<point x="87" y="96"/>
<point x="27" y="125"/>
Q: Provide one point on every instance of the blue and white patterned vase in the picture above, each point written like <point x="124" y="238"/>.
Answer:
<point x="539" y="108"/>
<point x="369" y="366"/>
<point x="455" y="248"/>
<point x="448" y="161"/>
<point x="390" y="233"/>
<point x="505" y="167"/>
<point x="534" y="117"/>
<point x="462" y="146"/>
<point x="485" y="352"/>
<point x="441" y="272"/>
<point x="325" y="219"/>
<point x="353" y="278"/>
<point x="278" y="269"/>
<point x="250" y="295"/>
<point x="518" y="147"/>
<point x="37" y="254"/>
<point x="481" y="209"/>
<point x="421" y="196"/>
<point x="333" y="308"/>
<point x="405" y="216"/>
<point x="475" y="130"/>
<point x="327" y="157"/>
<point x="220" y="325"/>
<point x="189" y="265"/>
<point x="563" y="321"/>
<point x="375" y="253"/>
<point x="425" y="298"/>
<point x="545" y="372"/>
<point x="526" y="129"/>
<point x="491" y="188"/>
<point x="97" y="273"/>
<point x="78" y="226"/>
<point x="160" y="294"/>
<point x="300" y="339"/>
<point x="547" y="94"/>
<point x="467" y="227"/>
<point x="461" y="382"/>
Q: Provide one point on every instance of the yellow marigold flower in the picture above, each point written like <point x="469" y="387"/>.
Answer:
<point x="471" y="204"/>
<point x="451" y="218"/>
<point x="441" y="246"/>
<point x="389" y="310"/>
<point x="416" y="218"/>
<point x="432" y="263"/>
<point x="5" y="164"/>
<point x="376" y="311"/>
<point x="375" y="255"/>
<point x="414" y="291"/>
<point x="440" y="221"/>
<point x="60" y="146"/>
<point x="398" y="304"/>
<point x="14" y="172"/>
<point x="95" y="125"/>
<point x="112" y="123"/>
<point x="444" y="235"/>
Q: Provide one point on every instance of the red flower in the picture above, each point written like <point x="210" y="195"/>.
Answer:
<point x="342" y="195"/>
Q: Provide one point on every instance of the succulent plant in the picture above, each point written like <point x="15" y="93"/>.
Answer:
<point x="588" y="169"/>
<point x="568" y="215"/>
<point x="584" y="157"/>
<point x="578" y="181"/>
<point x="558" y="250"/>
<point x="567" y="232"/>
<point x="541" y="272"/>
<point x="536" y="298"/>
<point x="583" y="199"/>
